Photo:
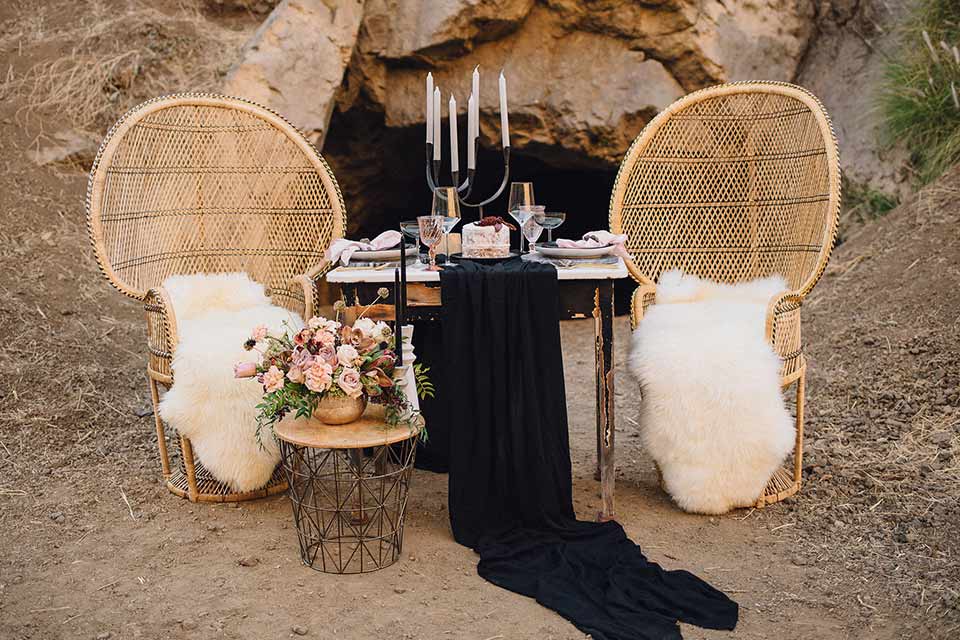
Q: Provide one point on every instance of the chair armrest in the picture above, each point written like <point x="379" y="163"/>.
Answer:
<point x="304" y="287"/>
<point x="643" y="297"/>
<point x="783" y="323"/>
<point x="162" y="336"/>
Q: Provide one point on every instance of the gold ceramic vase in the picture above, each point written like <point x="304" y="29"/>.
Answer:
<point x="340" y="410"/>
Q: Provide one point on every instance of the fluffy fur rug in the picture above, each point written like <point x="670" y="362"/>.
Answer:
<point x="712" y="415"/>
<point x="217" y="412"/>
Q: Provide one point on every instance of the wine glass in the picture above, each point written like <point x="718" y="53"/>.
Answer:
<point x="411" y="228"/>
<point x="446" y="204"/>
<point x="521" y="195"/>
<point x="552" y="220"/>
<point x="431" y="232"/>
<point x="532" y="225"/>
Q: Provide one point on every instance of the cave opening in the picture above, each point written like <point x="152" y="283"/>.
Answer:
<point x="381" y="171"/>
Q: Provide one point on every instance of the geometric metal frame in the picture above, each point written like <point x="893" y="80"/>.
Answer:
<point x="349" y="504"/>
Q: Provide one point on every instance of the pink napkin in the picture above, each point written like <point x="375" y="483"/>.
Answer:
<point x="596" y="239"/>
<point x="343" y="249"/>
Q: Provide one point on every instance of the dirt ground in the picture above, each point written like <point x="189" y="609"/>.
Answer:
<point x="93" y="546"/>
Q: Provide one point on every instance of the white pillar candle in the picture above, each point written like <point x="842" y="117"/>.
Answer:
<point x="454" y="152"/>
<point x="504" y="123"/>
<point x="436" y="124"/>
<point x="471" y="124"/>
<point x="429" y="108"/>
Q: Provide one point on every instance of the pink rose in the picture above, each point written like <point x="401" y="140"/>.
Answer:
<point x="273" y="379"/>
<point x="347" y="355"/>
<point x="317" y="377"/>
<point x="295" y="374"/>
<point x="325" y="338"/>
<point x="301" y="357"/>
<point x="244" y="370"/>
<point x="328" y="354"/>
<point x="349" y="381"/>
<point x="259" y="333"/>
<point x="303" y="337"/>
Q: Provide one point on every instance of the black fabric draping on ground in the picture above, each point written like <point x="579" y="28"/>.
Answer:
<point x="510" y="481"/>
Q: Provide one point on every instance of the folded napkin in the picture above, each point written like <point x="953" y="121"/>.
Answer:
<point x="343" y="249"/>
<point x="597" y="239"/>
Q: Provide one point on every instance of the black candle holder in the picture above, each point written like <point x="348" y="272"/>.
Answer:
<point x="465" y="188"/>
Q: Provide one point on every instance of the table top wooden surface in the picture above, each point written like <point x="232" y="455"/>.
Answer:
<point x="369" y="431"/>
<point x="419" y="273"/>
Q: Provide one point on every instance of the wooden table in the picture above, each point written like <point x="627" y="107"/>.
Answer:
<point x="585" y="292"/>
<point x="348" y="488"/>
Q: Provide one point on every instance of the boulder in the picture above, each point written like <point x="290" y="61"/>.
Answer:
<point x="296" y="60"/>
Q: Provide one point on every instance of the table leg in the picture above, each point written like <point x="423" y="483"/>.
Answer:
<point x="603" y="334"/>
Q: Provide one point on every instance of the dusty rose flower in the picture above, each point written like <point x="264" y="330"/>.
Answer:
<point x="303" y="337"/>
<point x="383" y="292"/>
<point x="273" y="379"/>
<point x="319" y="322"/>
<point x="295" y="374"/>
<point x="328" y="354"/>
<point x="244" y="370"/>
<point x="301" y="357"/>
<point x="347" y="355"/>
<point x="349" y="381"/>
<point x="259" y="333"/>
<point x="317" y="377"/>
<point x="325" y="338"/>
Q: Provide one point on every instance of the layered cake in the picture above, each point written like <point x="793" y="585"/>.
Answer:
<point x="488" y="238"/>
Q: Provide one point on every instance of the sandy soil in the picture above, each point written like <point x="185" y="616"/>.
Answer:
<point x="93" y="546"/>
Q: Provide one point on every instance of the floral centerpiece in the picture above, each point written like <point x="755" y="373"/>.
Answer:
<point x="326" y="366"/>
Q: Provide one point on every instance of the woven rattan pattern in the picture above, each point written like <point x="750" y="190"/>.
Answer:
<point x="195" y="183"/>
<point x="203" y="183"/>
<point x="732" y="183"/>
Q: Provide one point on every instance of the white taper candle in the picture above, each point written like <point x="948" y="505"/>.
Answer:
<point x="454" y="152"/>
<point x="436" y="124"/>
<point x="504" y="123"/>
<point x="429" y="108"/>
<point x="471" y="126"/>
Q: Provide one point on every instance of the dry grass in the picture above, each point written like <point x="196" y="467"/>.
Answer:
<point x="116" y="58"/>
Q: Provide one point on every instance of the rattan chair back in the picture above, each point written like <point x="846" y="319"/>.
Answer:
<point x="732" y="183"/>
<point x="202" y="183"/>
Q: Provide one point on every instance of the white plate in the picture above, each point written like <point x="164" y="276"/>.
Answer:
<point x="561" y="252"/>
<point x="382" y="256"/>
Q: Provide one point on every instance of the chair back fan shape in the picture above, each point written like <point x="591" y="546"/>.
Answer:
<point x="202" y="183"/>
<point x="732" y="183"/>
<point x="199" y="183"/>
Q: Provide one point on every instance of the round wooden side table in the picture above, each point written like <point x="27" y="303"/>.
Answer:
<point x="348" y="488"/>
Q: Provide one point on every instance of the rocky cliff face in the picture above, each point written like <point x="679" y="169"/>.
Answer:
<point x="584" y="76"/>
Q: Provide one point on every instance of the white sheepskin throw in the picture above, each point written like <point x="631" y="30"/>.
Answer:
<point x="215" y="314"/>
<point x="712" y="414"/>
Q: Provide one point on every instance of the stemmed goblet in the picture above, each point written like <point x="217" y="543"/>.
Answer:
<point x="521" y="195"/>
<point x="552" y="220"/>
<point x="431" y="232"/>
<point x="446" y="204"/>
<point x="532" y="225"/>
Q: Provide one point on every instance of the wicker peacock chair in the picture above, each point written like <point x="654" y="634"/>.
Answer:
<point x="731" y="183"/>
<point x="203" y="183"/>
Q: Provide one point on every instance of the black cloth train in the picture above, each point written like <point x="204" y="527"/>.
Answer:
<point x="500" y="427"/>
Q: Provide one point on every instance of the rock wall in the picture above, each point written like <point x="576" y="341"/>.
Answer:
<point x="584" y="77"/>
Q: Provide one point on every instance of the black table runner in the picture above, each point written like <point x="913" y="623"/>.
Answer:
<point x="509" y="463"/>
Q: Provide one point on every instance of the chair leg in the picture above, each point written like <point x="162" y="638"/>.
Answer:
<point x="187" y="451"/>
<point x="798" y="450"/>
<point x="783" y="484"/>
<point x="161" y="436"/>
